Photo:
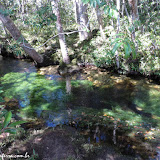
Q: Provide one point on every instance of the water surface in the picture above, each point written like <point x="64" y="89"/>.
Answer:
<point x="98" y="103"/>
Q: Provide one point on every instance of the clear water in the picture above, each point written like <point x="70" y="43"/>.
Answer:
<point x="97" y="102"/>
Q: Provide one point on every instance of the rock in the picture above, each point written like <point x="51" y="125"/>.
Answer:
<point x="68" y="69"/>
<point x="50" y="70"/>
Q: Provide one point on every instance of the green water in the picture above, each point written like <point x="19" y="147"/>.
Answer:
<point x="117" y="105"/>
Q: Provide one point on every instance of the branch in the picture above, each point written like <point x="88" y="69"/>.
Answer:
<point x="67" y="33"/>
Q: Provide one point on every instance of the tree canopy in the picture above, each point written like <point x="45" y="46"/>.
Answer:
<point x="129" y="32"/>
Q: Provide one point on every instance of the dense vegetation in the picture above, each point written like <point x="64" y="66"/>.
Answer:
<point x="95" y="36"/>
<point x="112" y="34"/>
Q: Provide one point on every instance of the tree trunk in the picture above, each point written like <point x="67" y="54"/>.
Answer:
<point x="16" y="34"/>
<point x="23" y="10"/>
<point x="134" y="9"/>
<point x="62" y="41"/>
<point x="100" y="22"/>
<point x="82" y="20"/>
<point x="118" y="27"/>
<point x="118" y="15"/>
<point x="135" y="17"/>
<point x="77" y="16"/>
<point x="134" y="13"/>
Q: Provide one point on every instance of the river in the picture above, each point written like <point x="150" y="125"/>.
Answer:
<point x="100" y="103"/>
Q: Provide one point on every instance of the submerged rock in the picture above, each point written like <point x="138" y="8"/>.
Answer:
<point x="68" y="69"/>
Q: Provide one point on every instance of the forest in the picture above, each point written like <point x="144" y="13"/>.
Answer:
<point x="80" y="79"/>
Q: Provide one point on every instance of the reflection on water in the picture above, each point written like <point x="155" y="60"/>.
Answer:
<point x="100" y="103"/>
<point x="11" y="65"/>
<point x="68" y="85"/>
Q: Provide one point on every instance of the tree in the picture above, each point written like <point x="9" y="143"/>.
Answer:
<point x="16" y="34"/>
<point x="135" y="16"/>
<point x="118" y="27"/>
<point x="100" y="22"/>
<point x="134" y="9"/>
<point x="62" y="41"/>
<point x="82" y="20"/>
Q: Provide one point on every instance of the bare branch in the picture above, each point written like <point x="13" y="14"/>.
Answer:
<point x="67" y="33"/>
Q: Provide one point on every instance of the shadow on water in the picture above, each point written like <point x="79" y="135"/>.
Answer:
<point x="103" y="107"/>
<point x="13" y="65"/>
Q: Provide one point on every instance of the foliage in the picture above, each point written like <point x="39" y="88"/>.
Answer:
<point x="42" y="17"/>
<point x="150" y="54"/>
<point x="5" y="123"/>
<point x="127" y="44"/>
<point x="109" y="8"/>
<point x="1" y="91"/>
<point x="149" y="16"/>
<point x="4" y="12"/>
<point x="6" y="126"/>
<point x="34" y="155"/>
<point x="38" y="24"/>
<point x="100" y="101"/>
<point x="34" y="91"/>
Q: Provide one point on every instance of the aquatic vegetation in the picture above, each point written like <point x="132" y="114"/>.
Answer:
<point x="29" y="86"/>
<point x="98" y="105"/>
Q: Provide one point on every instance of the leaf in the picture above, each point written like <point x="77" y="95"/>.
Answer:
<point x="93" y="3"/>
<point x="134" y="53"/>
<point x="98" y="2"/>
<point x="16" y="123"/>
<point x="129" y="46"/>
<point x="119" y="34"/>
<point x="126" y="50"/>
<point x="116" y="46"/>
<point x="34" y="152"/>
<point x="116" y="40"/>
<point x="127" y="40"/>
<point x="0" y="126"/>
<point x="11" y="131"/>
<point x="85" y="1"/>
<point x="7" y="119"/>
<point x="106" y="9"/>
<point x="1" y="99"/>
<point x="110" y="12"/>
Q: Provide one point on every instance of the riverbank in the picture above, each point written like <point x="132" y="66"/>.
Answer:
<point x="64" y="143"/>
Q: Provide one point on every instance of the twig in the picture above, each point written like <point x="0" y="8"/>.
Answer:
<point x="67" y="33"/>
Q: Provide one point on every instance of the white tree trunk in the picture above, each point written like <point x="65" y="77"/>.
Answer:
<point x="62" y="41"/>
<point x="23" y="9"/>
<point x="82" y="20"/>
<point x="100" y="22"/>
<point x="118" y="27"/>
